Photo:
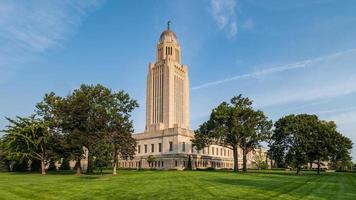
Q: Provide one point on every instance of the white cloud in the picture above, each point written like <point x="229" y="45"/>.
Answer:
<point x="224" y="14"/>
<point x="30" y="28"/>
<point x="302" y="92"/>
<point x="254" y="74"/>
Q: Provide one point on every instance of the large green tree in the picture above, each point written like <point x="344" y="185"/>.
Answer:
<point x="28" y="138"/>
<point x="89" y="114"/>
<point x="119" y="129"/>
<point x="292" y="136"/>
<point x="321" y="142"/>
<point x="256" y="128"/>
<point x="233" y="125"/>
<point x="299" y="139"/>
<point x="340" y="151"/>
<point x="102" y="153"/>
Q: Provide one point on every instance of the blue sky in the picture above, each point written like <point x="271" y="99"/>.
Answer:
<point x="287" y="56"/>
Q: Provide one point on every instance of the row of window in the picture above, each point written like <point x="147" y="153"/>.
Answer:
<point x="153" y="148"/>
<point x="209" y="150"/>
<point x="160" y="163"/>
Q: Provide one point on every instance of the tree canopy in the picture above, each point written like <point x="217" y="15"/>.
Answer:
<point x="28" y="138"/>
<point x="303" y="138"/>
<point x="233" y="125"/>
<point x="90" y="114"/>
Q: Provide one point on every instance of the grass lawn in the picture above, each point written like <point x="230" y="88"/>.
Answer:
<point x="179" y="185"/>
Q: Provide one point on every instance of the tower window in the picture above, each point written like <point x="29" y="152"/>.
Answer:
<point x="152" y="148"/>
<point x="169" y="51"/>
<point x="183" y="149"/>
<point x="159" y="147"/>
<point x="145" y="148"/>
<point x="138" y="148"/>
<point x="170" y="146"/>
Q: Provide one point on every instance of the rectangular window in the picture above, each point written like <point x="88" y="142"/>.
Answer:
<point x="217" y="151"/>
<point x="152" y="148"/>
<point x="183" y="147"/>
<point x="145" y="148"/>
<point x="221" y="152"/>
<point x="138" y="148"/>
<point x="170" y="146"/>
<point x="203" y="150"/>
<point x="224" y="152"/>
<point x="159" y="147"/>
<point x="208" y="150"/>
<point x="212" y="150"/>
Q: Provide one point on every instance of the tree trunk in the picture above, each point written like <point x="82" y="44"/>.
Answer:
<point x="298" y="170"/>
<point x="79" y="167"/>
<point x="236" y="158"/>
<point x="318" y="166"/>
<point x="244" y="160"/>
<point x="90" y="164"/>
<point x="311" y="164"/>
<point x="43" y="167"/>
<point x="114" y="168"/>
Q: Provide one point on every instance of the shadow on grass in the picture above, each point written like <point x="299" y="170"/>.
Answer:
<point x="263" y="172"/>
<point x="270" y="186"/>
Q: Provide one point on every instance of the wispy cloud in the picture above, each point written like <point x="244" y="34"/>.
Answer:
<point x="30" y="28"/>
<point x="224" y="14"/>
<point x="273" y="70"/>
<point x="247" y="24"/>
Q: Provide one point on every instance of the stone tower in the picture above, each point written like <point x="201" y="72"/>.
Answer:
<point x="167" y="100"/>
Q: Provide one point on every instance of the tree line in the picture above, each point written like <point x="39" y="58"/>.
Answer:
<point x="98" y="119"/>
<point x="92" y="116"/>
<point x="293" y="141"/>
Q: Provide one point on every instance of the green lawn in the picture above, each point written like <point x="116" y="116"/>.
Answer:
<point x="179" y="185"/>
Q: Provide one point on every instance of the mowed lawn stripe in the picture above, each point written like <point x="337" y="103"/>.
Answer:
<point x="179" y="185"/>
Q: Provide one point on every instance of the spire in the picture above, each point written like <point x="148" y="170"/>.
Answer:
<point x="169" y="25"/>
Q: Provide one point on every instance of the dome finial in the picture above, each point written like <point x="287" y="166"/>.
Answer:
<point x="169" y="25"/>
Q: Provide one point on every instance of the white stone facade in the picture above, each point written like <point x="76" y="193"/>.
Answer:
<point x="167" y="136"/>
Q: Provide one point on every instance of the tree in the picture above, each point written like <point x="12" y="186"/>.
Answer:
<point x="260" y="161"/>
<point x="255" y="129"/>
<point x="103" y="157"/>
<point x="122" y="146"/>
<point x="4" y="161"/>
<point x="299" y="139"/>
<point x="320" y="142"/>
<point x="119" y="129"/>
<point x="88" y="115"/>
<point x="64" y="165"/>
<point x="340" y="151"/>
<point x="234" y="125"/>
<point x="292" y="135"/>
<point x="276" y="153"/>
<point x="150" y="160"/>
<point x="28" y="138"/>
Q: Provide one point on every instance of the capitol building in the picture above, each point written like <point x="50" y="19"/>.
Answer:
<point x="166" y="140"/>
